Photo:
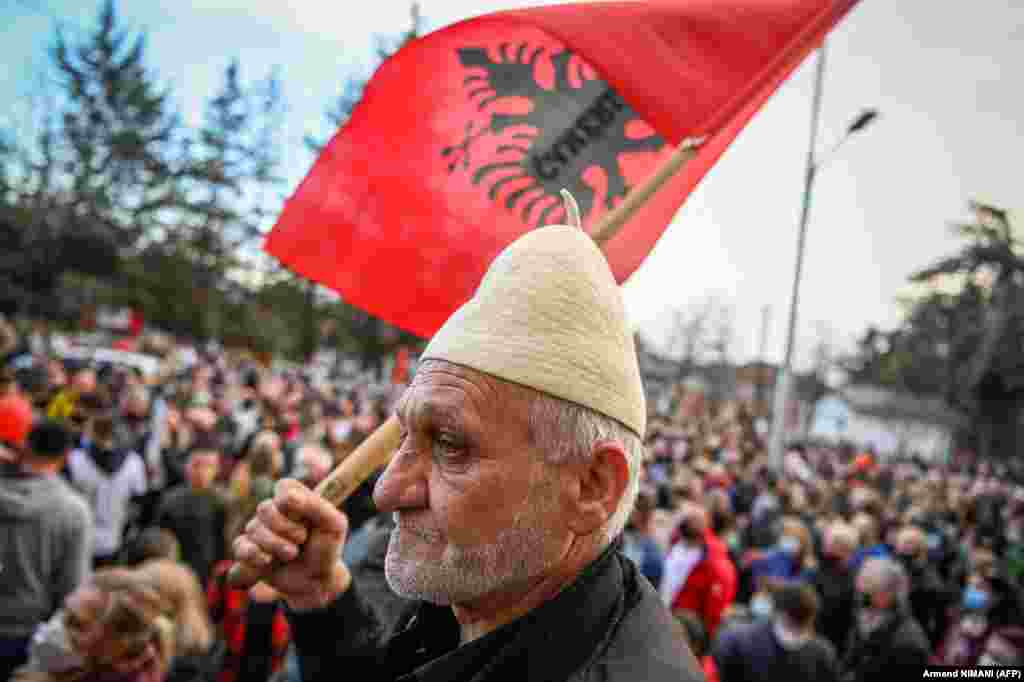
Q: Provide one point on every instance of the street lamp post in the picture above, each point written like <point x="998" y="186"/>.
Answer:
<point x="783" y="381"/>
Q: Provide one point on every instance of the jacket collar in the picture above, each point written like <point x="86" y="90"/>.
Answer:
<point x="576" y="624"/>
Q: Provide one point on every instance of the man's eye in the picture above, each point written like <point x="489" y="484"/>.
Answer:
<point x="445" y="445"/>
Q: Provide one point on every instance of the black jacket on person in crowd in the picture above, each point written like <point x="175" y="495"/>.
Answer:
<point x="930" y="600"/>
<point x="835" y="585"/>
<point x="750" y="652"/>
<point x="608" y="625"/>
<point x="198" y="519"/>
<point x="900" y="642"/>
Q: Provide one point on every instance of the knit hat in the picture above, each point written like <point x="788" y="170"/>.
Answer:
<point x="15" y="419"/>
<point x="549" y="315"/>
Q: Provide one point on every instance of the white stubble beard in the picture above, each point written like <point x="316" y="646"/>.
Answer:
<point x="525" y="550"/>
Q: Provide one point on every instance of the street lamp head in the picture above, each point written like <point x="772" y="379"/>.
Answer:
<point x="864" y="120"/>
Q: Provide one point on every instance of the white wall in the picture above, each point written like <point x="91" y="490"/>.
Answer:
<point x="833" y="420"/>
<point x="890" y="436"/>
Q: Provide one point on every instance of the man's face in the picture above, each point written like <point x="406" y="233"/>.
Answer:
<point x="872" y="608"/>
<point x="202" y="469"/>
<point x="85" y="381"/>
<point x="911" y="544"/>
<point x="316" y="465"/>
<point x="477" y="509"/>
<point x="56" y="374"/>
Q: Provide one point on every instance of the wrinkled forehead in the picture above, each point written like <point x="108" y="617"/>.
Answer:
<point x="443" y="390"/>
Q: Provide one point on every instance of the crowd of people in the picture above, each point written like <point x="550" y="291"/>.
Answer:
<point x="121" y="495"/>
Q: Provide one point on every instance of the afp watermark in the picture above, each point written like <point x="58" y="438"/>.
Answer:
<point x="973" y="672"/>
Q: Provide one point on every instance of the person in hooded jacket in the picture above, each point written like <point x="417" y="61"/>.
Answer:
<point x="784" y="646"/>
<point x="45" y="540"/>
<point x="699" y="574"/>
<point x="109" y="477"/>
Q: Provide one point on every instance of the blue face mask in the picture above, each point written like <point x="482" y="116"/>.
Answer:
<point x="789" y="546"/>
<point x="975" y="599"/>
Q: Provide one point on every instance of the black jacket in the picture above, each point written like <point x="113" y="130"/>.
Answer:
<point x="930" y="600"/>
<point x="608" y="625"/>
<point x="751" y="653"/>
<point x="901" y="642"/>
<point x="835" y="586"/>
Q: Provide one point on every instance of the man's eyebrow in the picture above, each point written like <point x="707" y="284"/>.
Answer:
<point x="428" y="411"/>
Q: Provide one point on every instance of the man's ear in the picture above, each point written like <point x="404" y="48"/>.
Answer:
<point x="601" y="482"/>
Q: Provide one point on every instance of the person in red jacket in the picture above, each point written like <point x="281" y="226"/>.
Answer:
<point x="699" y="575"/>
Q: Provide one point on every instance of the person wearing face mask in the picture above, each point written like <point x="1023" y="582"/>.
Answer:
<point x="834" y="583"/>
<point x="965" y="640"/>
<point x="884" y="633"/>
<point x="929" y="596"/>
<point x="109" y="477"/>
<point x="792" y="560"/>
<point x="782" y="647"/>
<point x="698" y="573"/>
<point x="1004" y="647"/>
<point x="639" y="543"/>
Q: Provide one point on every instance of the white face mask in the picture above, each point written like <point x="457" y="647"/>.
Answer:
<point x="761" y="606"/>
<point x="973" y="626"/>
<point x="789" y="639"/>
<point x="869" y="620"/>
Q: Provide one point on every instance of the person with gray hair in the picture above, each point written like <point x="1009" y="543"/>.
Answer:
<point x="521" y="443"/>
<point x="834" y="581"/>
<point x="885" y="632"/>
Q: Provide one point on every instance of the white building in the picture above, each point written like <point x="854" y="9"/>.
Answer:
<point x="890" y="422"/>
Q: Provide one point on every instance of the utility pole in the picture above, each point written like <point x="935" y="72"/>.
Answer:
<point x="766" y="314"/>
<point x="782" y="386"/>
<point x="783" y="379"/>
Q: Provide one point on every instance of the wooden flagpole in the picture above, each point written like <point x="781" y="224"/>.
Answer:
<point x="376" y="451"/>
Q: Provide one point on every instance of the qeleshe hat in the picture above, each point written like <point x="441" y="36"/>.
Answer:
<point x="549" y="315"/>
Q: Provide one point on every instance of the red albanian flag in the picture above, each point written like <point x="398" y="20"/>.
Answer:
<point x="463" y="139"/>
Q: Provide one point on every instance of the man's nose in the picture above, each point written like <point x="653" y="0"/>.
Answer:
<point x="403" y="485"/>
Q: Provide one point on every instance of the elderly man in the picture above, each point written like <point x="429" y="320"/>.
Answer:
<point x="929" y="596"/>
<point x="885" y="633"/>
<point x="834" y="582"/>
<point x="517" y="471"/>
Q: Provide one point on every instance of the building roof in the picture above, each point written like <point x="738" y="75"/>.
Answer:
<point x="883" y="402"/>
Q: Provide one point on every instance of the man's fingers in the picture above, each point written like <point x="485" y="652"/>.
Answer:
<point x="321" y="553"/>
<point x="247" y="552"/>
<point x="300" y="504"/>
<point x="272" y="543"/>
<point x="279" y="524"/>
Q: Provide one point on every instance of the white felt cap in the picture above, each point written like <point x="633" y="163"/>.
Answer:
<point x="549" y="315"/>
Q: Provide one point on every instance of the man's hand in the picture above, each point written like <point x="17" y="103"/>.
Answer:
<point x="304" y="534"/>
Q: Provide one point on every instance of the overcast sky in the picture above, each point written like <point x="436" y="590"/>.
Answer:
<point x="946" y="78"/>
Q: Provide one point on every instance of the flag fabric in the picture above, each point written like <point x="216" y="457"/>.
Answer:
<point x="463" y="139"/>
